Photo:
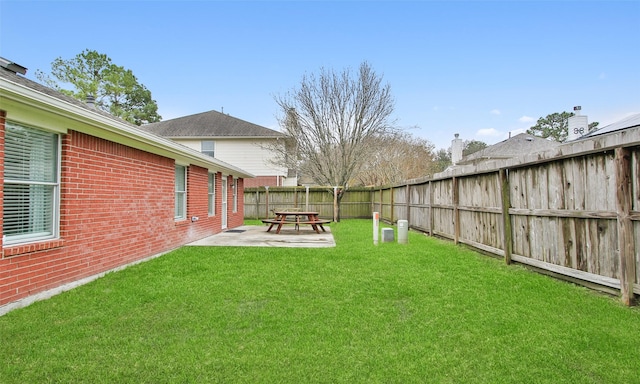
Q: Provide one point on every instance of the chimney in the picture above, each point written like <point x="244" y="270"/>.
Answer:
<point x="456" y="149"/>
<point x="578" y="125"/>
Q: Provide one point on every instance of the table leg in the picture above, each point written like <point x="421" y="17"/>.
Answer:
<point x="280" y="219"/>
<point x="313" y="219"/>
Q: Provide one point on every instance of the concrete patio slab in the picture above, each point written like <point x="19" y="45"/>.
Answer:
<point x="257" y="236"/>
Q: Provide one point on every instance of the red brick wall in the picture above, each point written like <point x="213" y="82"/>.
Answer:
<point x="117" y="206"/>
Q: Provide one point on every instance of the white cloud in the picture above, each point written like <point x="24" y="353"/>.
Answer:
<point x="495" y="112"/>
<point x="526" y="119"/>
<point x="490" y="132"/>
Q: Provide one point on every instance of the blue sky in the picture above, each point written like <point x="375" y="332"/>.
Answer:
<point x="478" y="68"/>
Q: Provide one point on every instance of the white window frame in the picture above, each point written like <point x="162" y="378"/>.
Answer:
<point x="208" y="151"/>
<point x="234" y="187"/>
<point x="180" y="212"/>
<point x="34" y="207"/>
<point x="212" y="194"/>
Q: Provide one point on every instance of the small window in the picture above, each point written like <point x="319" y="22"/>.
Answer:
<point x="181" y="192"/>
<point x="212" y="194"/>
<point x="234" y="188"/>
<point x="209" y="148"/>
<point x="31" y="187"/>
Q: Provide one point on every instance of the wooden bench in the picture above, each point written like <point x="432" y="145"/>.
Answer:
<point x="321" y="221"/>
<point x="274" y="221"/>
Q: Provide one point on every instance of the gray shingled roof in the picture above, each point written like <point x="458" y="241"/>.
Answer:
<point x="512" y="147"/>
<point x="627" y="122"/>
<point x="212" y="124"/>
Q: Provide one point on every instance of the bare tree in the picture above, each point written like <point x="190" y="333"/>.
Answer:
<point x="395" y="157"/>
<point x="330" y="119"/>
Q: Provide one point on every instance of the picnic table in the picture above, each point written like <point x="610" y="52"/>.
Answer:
<point x="297" y="219"/>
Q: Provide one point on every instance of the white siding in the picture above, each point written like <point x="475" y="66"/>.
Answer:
<point x="245" y="154"/>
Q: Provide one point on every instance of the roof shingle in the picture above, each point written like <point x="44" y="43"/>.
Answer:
<point x="212" y="124"/>
<point x="512" y="147"/>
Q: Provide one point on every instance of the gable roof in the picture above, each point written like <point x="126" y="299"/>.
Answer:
<point x="517" y="145"/>
<point x="31" y="103"/>
<point x="212" y="124"/>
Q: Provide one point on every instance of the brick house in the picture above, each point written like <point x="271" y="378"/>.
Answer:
<point x="84" y="193"/>
<point x="232" y="140"/>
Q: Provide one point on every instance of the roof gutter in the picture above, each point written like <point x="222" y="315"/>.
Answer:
<point x="85" y="120"/>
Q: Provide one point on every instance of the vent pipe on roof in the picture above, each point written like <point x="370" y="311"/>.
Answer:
<point x="13" y="67"/>
<point x="91" y="101"/>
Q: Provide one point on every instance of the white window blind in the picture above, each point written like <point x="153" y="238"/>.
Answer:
<point x="212" y="194"/>
<point x="30" y="203"/>
<point x="181" y="192"/>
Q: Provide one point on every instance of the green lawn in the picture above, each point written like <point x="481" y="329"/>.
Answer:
<point x="427" y="311"/>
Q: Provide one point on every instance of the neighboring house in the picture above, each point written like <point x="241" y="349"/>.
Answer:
<point x="488" y="157"/>
<point x="626" y="123"/>
<point x="231" y="140"/>
<point x="85" y="193"/>
<point x="517" y="145"/>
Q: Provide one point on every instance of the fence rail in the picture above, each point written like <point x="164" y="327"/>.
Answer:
<point x="572" y="211"/>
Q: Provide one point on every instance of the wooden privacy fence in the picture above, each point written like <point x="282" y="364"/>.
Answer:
<point x="572" y="211"/>
<point x="261" y="202"/>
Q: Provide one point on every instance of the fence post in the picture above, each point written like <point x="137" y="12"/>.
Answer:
<point x="506" y="218"/>
<point x="431" y="220"/>
<point x="335" y="204"/>
<point x="257" y="203"/>
<point x="408" y="204"/>
<point x="456" y="211"/>
<point x="266" y="196"/>
<point x="391" y="203"/>
<point x="625" y="226"/>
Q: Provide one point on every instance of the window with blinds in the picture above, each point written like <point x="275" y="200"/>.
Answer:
<point x="208" y="147"/>
<point x="212" y="194"/>
<point x="31" y="188"/>
<point x="181" y="192"/>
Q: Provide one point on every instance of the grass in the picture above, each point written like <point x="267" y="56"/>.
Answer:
<point x="427" y="311"/>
